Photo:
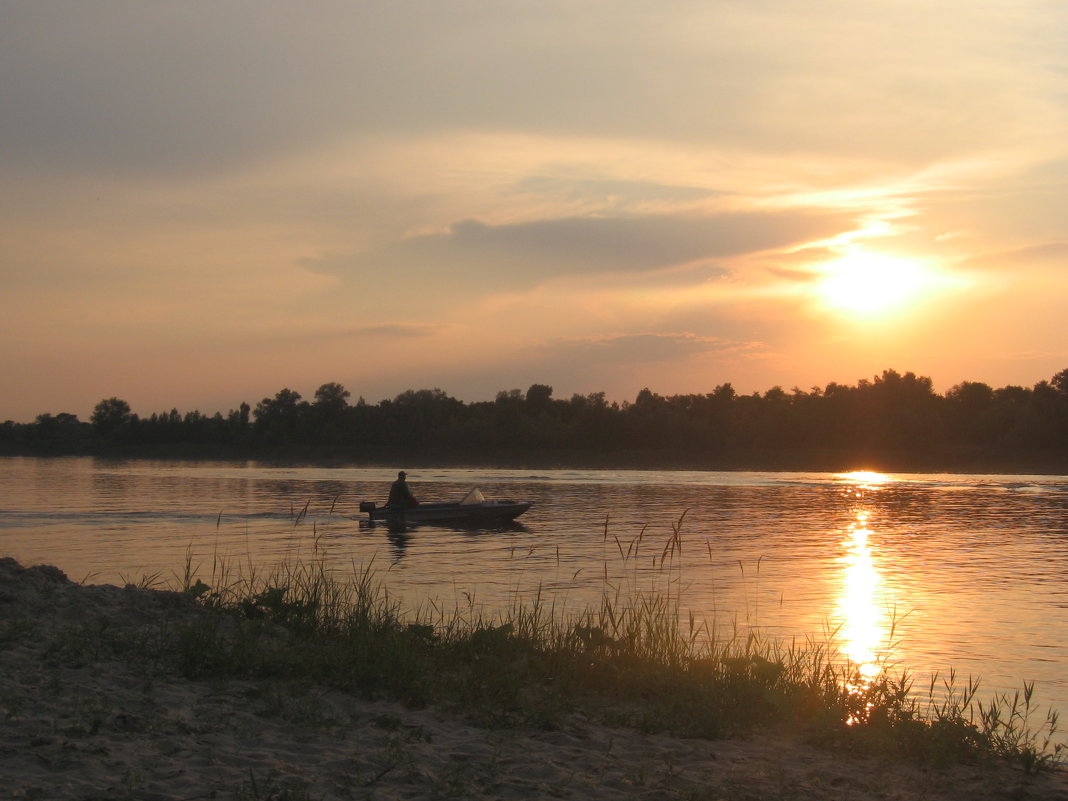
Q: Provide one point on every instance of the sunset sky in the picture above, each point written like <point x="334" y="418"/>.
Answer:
<point x="204" y="202"/>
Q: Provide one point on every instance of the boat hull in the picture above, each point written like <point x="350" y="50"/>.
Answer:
<point x="450" y="512"/>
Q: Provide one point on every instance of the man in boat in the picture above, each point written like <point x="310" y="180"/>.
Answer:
<point x="400" y="494"/>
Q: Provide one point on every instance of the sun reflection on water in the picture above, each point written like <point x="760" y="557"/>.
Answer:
<point x="864" y="625"/>
<point x="866" y="477"/>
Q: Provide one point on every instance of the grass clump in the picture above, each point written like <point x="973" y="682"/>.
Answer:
<point x="635" y="660"/>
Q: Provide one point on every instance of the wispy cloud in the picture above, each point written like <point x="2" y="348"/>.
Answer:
<point x="473" y="254"/>
<point x="1046" y="255"/>
<point x="394" y="331"/>
<point x="642" y="349"/>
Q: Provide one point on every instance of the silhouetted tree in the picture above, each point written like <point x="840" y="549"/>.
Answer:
<point x="969" y="414"/>
<point x="237" y="419"/>
<point x="890" y="420"/>
<point x="328" y="415"/>
<point x="278" y="419"/>
<point x="539" y="396"/>
<point x="110" y="415"/>
<point x="60" y="430"/>
<point x="332" y="397"/>
<point x="1050" y="406"/>
<point x="902" y="413"/>
<point x="1060" y="383"/>
<point x="424" y="418"/>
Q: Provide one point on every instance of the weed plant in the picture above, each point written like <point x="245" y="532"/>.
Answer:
<point x="635" y="659"/>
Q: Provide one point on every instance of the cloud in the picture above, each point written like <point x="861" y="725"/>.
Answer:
<point x="179" y="87"/>
<point x="614" y="194"/>
<point x="472" y="254"/>
<point x="1049" y="254"/>
<point x="394" y="331"/>
<point x="638" y="349"/>
<point x="380" y="334"/>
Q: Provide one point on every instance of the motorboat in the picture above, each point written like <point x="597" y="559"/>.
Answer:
<point x="472" y="508"/>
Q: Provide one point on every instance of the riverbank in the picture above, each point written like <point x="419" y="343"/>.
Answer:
<point x="91" y="709"/>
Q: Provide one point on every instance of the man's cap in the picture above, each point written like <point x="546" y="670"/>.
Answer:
<point x="401" y="474"/>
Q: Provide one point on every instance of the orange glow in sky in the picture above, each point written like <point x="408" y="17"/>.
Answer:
<point x="198" y="209"/>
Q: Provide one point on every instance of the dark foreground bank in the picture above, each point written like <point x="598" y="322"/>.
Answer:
<point x="116" y="693"/>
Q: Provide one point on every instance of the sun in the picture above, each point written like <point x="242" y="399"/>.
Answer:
<point x="866" y="284"/>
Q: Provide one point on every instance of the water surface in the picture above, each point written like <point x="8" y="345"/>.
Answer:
<point x="931" y="572"/>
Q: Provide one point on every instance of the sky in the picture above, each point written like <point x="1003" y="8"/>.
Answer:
<point x="203" y="203"/>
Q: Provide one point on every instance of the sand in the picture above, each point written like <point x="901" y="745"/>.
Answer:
<point x="76" y="724"/>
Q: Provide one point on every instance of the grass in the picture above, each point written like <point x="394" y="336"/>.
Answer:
<point x="634" y="660"/>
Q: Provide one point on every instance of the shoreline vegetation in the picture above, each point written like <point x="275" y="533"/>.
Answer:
<point x="893" y="422"/>
<point x="309" y="682"/>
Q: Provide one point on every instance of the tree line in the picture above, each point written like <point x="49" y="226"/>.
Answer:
<point x="893" y="421"/>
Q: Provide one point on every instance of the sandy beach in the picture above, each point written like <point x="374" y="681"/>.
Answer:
<point x="78" y="723"/>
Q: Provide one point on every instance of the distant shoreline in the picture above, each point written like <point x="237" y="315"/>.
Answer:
<point x="892" y="423"/>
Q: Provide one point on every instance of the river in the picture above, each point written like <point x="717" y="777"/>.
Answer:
<point x="928" y="573"/>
